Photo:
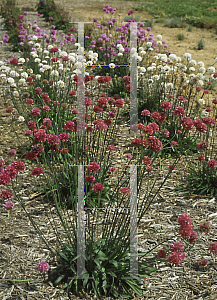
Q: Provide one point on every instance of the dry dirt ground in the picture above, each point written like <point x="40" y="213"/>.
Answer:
<point x="20" y="246"/>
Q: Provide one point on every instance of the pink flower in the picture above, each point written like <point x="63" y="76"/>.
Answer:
<point x="29" y="101"/>
<point x="64" y="136"/>
<point x="40" y="136"/>
<point x="111" y="147"/>
<point x="202" y="262"/>
<point x="177" y="247"/>
<point x="38" y="90"/>
<point x="98" y="187"/>
<point x="193" y="237"/>
<point x="212" y="163"/>
<point x="6" y="194"/>
<point x="37" y="171"/>
<point x="4" y="178"/>
<point x="100" y="125"/>
<point x="13" y="61"/>
<point x="206" y="92"/>
<point x="128" y="156"/>
<point x="165" y="132"/>
<point x="69" y="126"/>
<point x="173" y="143"/>
<point x="179" y="111"/>
<point x="9" y="205"/>
<point x="11" y="171"/>
<point x="184" y="219"/>
<point x="171" y="167"/>
<point x="213" y="247"/>
<point x="201" y="158"/>
<point x="149" y="168"/>
<point x="112" y="169"/>
<point x="18" y="165"/>
<point x="154" y="144"/>
<point x="162" y="254"/>
<point x="165" y="105"/>
<point x="9" y="109"/>
<point x="93" y="167"/>
<point x="43" y="267"/>
<point x="214" y="101"/>
<point x="53" y="139"/>
<point x="146" y="160"/>
<point x="205" y="227"/>
<point x="208" y="109"/>
<point x="176" y="257"/>
<point x="12" y="152"/>
<point x="187" y="123"/>
<point x="203" y="145"/>
<point x="90" y="178"/>
<point x="125" y="190"/>
<point x="119" y="103"/>
<point x="31" y="124"/>
<point x="35" y="111"/>
<point x="146" y="112"/>
<point x="154" y="126"/>
<point x="64" y="150"/>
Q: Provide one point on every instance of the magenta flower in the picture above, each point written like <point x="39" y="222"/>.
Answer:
<point x="6" y="194"/>
<point x="98" y="187"/>
<point x="162" y="254"/>
<point x="43" y="266"/>
<point x="125" y="190"/>
<point x="202" y="262"/>
<point x="37" y="171"/>
<point x="9" y="205"/>
<point x="12" y="152"/>
<point x="213" y="247"/>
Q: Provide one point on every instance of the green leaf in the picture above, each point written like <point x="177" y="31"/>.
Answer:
<point x="114" y="262"/>
<point x="56" y="282"/>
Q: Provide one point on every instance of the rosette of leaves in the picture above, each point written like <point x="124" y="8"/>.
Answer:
<point x="200" y="180"/>
<point x="106" y="270"/>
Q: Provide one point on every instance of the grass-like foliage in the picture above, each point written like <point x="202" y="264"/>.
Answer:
<point x="180" y="37"/>
<point x="200" y="44"/>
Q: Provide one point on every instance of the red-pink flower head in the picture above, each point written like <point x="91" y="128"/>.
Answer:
<point x="93" y="167"/>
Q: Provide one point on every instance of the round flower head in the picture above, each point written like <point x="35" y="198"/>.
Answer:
<point x="9" y="205"/>
<point x="43" y="266"/>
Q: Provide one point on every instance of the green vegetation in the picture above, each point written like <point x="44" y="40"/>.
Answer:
<point x="197" y="13"/>
<point x="200" y="44"/>
<point x="180" y="37"/>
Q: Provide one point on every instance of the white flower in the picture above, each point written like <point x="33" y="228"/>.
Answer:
<point x="37" y="45"/>
<point x="202" y="70"/>
<point x="40" y="65"/>
<point x="200" y="76"/>
<point x="33" y="54"/>
<point x="111" y="66"/>
<point x="89" y="63"/>
<point x="37" y="60"/>
<point x="46" y="67"/>
<point x="120" y="54"/>
<point x="187" y="55"/>
<point x="211" y="70"/>
<point x="140" y="48"/>
<point x="173" y="57"/>
<point x="159" y="43"/>
<point x="142" y="52"/>
<point x="24" y="75"/>
<point x="206" y="78"/>
<point x="192" y="62"/>
<point x="159" y="37"/>
<point x="13" y="73"/>
<point x="30" y="71"/>
<point x="150" y="81"/>
<point x="60" y="84"/>
<point x="142" y="69"/>
<point x="63" y="53"/>
<point x="21" y="60"/>
<point x="205" y="113"/>
<point x="165" y="69"/>
<point x="118" y="46"/>
<point x="139" y="58"/>
<point x="149" y="69"/>
<point x="54" y="73"/>
<point x="38" y="76"/>
<point x="182" y="67"/>
<point x="121" y="49"/>
<point x="192" y="69"/>
<point x="1" y="62"/>
<point x="200" y="64"/>
<point x="78" y="44"/>
<point x="44" y="61"/>
<point x="22" y="80"/>
<point x="21" y="119"/>
<point x="16" y="94"/>
<point x="200" y="83"/>
<point x="148" y="44"/>
<point x="10" y="80"/>
<point x="34" y="38"/>
<point x="179" y="59"/>
<point x="201" y="101"/>
<point x="156" y="77"/>
<point x="49" y="47"/>
<point x="46" y="52"/>
<point x="150" y="49"/>
<point x="169" y="86"/>
<point x="72" y="59"/>
<point x="133" y="50"/>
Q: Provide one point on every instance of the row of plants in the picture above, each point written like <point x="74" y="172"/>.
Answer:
<point x="63" y="135"/>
